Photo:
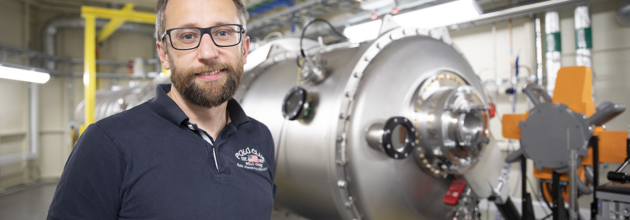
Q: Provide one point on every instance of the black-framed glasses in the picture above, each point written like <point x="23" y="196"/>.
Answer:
<point x="188" y="38"/>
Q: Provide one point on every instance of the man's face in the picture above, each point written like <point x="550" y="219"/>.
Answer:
<point x="208" y="75"/>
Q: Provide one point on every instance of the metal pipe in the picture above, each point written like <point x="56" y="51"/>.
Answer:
<point x="623" y="13"/>
<point x="52" y="28"/>
<point x="33" y="113"/>
<point x="27" y="21"/>
<point x="262" y="21"/>
<point x="573" y="207"/>
<point x="584" y="41"/>
<point x="33" y="108"/>
<point x="487" y="18"/>
<point x="583" y="36"/>
<point x="33" y="129"/>
<point x="539" y="56"/>
<point x="554" y="48"/>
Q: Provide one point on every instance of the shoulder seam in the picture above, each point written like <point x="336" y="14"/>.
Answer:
<point x="109" y="136"/>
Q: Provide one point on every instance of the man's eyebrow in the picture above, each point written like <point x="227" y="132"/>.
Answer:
<point x="195" y="25"/>
<point x="188" y="25"/>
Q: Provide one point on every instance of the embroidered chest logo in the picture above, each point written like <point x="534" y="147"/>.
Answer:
<point x="250" y="159"/>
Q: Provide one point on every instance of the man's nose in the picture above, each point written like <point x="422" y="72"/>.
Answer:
<point x="207" y="49"/>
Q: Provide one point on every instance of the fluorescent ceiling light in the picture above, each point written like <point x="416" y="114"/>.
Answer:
<point x="450" y="13"/>
<point x="363" y="32"/>
<point x="440" y="15"/>
<point x="23" y="75"/>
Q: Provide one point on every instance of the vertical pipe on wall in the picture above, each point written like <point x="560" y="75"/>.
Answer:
<point x="584" y="40"/>
<point x="554" y="48"/>
<point x="538" y="45"/>
<point x="89" y="67"/>
<point x="33" y="93"/>
<point x="27" y="21"/>
<point x="583" y="36"/>
<point x="33" y="120"/>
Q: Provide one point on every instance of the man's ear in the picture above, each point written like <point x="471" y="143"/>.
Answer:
<point x="163" y="55"/>
<point x="245" y="49"/>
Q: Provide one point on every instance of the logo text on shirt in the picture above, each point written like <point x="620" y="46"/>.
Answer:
<point x="251" y="159"/>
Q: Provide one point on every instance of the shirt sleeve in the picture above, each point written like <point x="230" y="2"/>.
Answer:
<point x="272" y="164"/>
<point x="90" y="184"/>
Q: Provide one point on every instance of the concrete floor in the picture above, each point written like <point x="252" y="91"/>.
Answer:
<point x="32" y="203"/>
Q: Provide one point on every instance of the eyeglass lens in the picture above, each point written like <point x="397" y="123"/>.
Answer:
<point x="186" y="38"/>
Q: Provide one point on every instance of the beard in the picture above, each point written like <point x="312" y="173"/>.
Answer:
<point x="207" y="94"/>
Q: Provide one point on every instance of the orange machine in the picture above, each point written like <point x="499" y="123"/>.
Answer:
<point x="573" y="90"/>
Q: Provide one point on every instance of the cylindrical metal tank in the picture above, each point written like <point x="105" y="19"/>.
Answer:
<point x="326" y="166"/>
<point x="379" y="130"/>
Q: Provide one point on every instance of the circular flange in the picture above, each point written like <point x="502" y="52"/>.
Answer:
<point x="548" y="134"/>
<point x="398" y="137"/>
<point x="293" y="105"/>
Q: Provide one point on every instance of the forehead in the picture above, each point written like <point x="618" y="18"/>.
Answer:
<point x="200" y="13"/>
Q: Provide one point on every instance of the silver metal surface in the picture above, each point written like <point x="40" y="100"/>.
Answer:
<point x="326" y="169"/>
<point x="313" y="71"/>
<point x="109" y="102"/>
<point x="614" y="200"/>
<point x="451" y="127"/>
<point x="374" y="135"/>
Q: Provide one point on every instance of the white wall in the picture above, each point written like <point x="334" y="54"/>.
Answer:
<point x="54" y="103"/>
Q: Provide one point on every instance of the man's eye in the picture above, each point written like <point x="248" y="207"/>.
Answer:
<point x="224" y="33"/>
<point x="188" y="36"/>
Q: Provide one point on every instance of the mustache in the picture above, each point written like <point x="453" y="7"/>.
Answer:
<point x="208" y="68"/>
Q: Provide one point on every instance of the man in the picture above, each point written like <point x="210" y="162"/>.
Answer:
<point x="189" y="153"/>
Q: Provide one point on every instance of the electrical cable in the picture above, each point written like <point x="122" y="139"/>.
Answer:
<point x="541" y="191"/>
<point x="531" y="185"/>
<point x="546" y="217"/>
<point x="298" y="59"/>
<point x="299" y="72"/>
<point x="309" y="24"/>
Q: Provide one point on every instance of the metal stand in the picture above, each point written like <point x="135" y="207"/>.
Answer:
<point x="526" y="206"/>
<point x="508" y="210"/>
<point x="594" y="143"/>
<point x="559" y="212"/>
<point x="618" y="175"/>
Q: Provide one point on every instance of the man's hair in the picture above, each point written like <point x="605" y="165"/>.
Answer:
<point x="161" y="6"/>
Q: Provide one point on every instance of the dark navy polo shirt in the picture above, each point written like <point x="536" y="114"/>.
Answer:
<point x="150" y="162"/>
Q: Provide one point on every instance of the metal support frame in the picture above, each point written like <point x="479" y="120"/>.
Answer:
<point x="594" y="143"/>
<point x="117" y="18"/>
<point x="558" y="209"/>
<point x="114" y="24"/>
<point x="508" y="210"/>
<point x="527" y="207"/>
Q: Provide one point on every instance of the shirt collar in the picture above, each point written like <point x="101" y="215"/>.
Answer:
<point x="164" y="106"/>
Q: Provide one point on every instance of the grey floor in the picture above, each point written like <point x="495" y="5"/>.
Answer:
<point x="32" y="202"/>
